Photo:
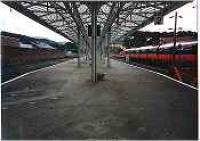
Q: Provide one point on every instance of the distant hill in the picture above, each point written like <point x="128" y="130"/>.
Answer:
<point x="42" y="43"/>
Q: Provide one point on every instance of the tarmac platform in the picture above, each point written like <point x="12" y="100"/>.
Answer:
<point x="60" y="102"/>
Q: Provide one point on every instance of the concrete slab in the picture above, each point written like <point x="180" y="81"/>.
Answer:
<point x="60" y="102"/>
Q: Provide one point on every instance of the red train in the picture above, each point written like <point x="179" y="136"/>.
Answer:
<point x="184" y="55"/>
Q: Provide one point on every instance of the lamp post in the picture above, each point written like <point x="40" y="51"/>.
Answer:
<point x="175" y="24"/>
<point x="175" y="27"/>
<point x="174" y="48"/>
<point x="175" y="36"/>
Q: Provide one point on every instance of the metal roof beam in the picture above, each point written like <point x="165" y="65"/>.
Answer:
<point x="114" y="13"/>
<point x="172" y="6"/>
<point x="77" y="18"/>
<point x="61" y="15"/>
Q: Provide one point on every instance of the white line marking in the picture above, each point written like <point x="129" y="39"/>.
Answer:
<point x="34" y="71"/>
<point x="170" y="78"/>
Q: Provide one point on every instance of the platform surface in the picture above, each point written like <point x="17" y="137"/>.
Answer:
<point x="60" y="102"/>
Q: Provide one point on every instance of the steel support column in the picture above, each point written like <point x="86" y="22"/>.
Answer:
<point x="87" y="52"/>
<point x="84" y="48"/>
<point x="103" y="45"/>
<point x="79" y="46"/>
<point x="94" y="27"/>
<point x="108" y="48"/>
<point x="114" y="14"/>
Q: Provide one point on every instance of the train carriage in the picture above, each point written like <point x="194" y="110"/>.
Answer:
<point x="185" y="54"/>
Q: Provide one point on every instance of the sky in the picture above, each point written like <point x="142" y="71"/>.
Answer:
<point x="13" y="21"/>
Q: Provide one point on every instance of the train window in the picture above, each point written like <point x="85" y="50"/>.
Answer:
<point x="166" y="50"/>
<point x="150" y="51"/>
<point x="179" y="47"/>
<point x="194" y="49"/>
<point x="157" y="50"/>
<point x="160" y="51"/>
<point x="153" y="50"/>
<point x="186" y="50"/>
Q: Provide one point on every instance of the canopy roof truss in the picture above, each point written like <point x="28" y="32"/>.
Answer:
<point x="70" y="18"/>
